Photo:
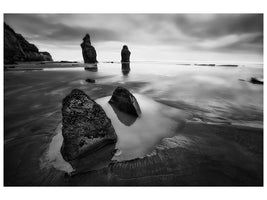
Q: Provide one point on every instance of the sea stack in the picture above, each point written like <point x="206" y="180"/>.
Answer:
<point x="125" y="54"/>
<point x="124" y="101"/>
<point x="88" y="51"/>
<point x="85" y="129"/>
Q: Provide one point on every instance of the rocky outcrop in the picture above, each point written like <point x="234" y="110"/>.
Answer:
<point x="125" y="54"/>
<point x="16" y="48"/>
<point x="124" y="101"/>
<point x="85" y="129"/>
<point x="88" y="51"/>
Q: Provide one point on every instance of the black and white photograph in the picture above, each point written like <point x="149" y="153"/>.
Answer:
<point x="132" y="99"/>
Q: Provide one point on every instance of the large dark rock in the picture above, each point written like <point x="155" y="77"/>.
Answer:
<point x="124" y="101"/>
<point x="16" y="48"/>
<point x="88" y="51"/>
<point x="86" y="129"/>
<point x="125" y="54"/>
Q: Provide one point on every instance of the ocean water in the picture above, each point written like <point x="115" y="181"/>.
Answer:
<point x="170" y="94"/>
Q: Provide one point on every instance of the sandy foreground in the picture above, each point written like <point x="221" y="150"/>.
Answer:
<point x="197" y="154"/>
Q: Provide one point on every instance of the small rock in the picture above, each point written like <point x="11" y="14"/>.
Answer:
<point x="124" y="101"/>
<point x="88" y="80"/>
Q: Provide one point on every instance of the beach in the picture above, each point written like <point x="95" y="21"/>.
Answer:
<point x="207" y="129"/>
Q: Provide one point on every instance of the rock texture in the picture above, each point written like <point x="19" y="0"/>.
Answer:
<point x="86" y="128"/>
<point x="124" y="101"/>
<point x="88" y="51"/>
<point x="16" y="48"/>
<point x="125" y="54"/>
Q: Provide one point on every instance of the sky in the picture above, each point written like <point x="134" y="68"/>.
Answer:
<point x="150" y="37"/>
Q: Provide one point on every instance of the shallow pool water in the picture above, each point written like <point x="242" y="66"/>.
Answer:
<point x="139" y="136"/>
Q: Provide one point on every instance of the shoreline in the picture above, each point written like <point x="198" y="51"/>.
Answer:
<point x="198" y="154"/>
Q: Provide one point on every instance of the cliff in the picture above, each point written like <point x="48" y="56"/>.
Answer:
<point x="16" y="48"/>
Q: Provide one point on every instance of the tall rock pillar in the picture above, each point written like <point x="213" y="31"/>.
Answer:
<point x="88" y="51"/>
<point x="125" y="54"/>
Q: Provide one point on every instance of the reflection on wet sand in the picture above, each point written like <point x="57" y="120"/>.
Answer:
<point x="124" y="118"/>
<point x="125" y="68"/>
<point x="91" y="67"/>
<point x="198" y="153"/>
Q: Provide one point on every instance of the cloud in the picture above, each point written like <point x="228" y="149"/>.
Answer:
<point x="40" y="28"/>
<point x="190" y="32"/>
<point x="218" y="25"/>
<point x="220" y="32"/>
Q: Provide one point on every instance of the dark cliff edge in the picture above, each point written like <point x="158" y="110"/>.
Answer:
<point x="17" y="48"/>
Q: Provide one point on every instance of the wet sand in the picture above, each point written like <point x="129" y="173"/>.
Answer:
<point x="203" y="151"/>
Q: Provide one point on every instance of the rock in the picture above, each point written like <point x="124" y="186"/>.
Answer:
<point x="16" y="48"/>
<point x="124" y="118"/>
<point x="88" y="51"/>
<point x="85" y="129"/>
<point x="256" y="81"/>
<point x="125" y="54"/>
<point x="89" y="80"/>
<point x="46" y="56"/>
<point x="124" y="101"/>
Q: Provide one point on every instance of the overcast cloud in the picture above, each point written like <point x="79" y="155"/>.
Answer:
<point x="149" y="36"/>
